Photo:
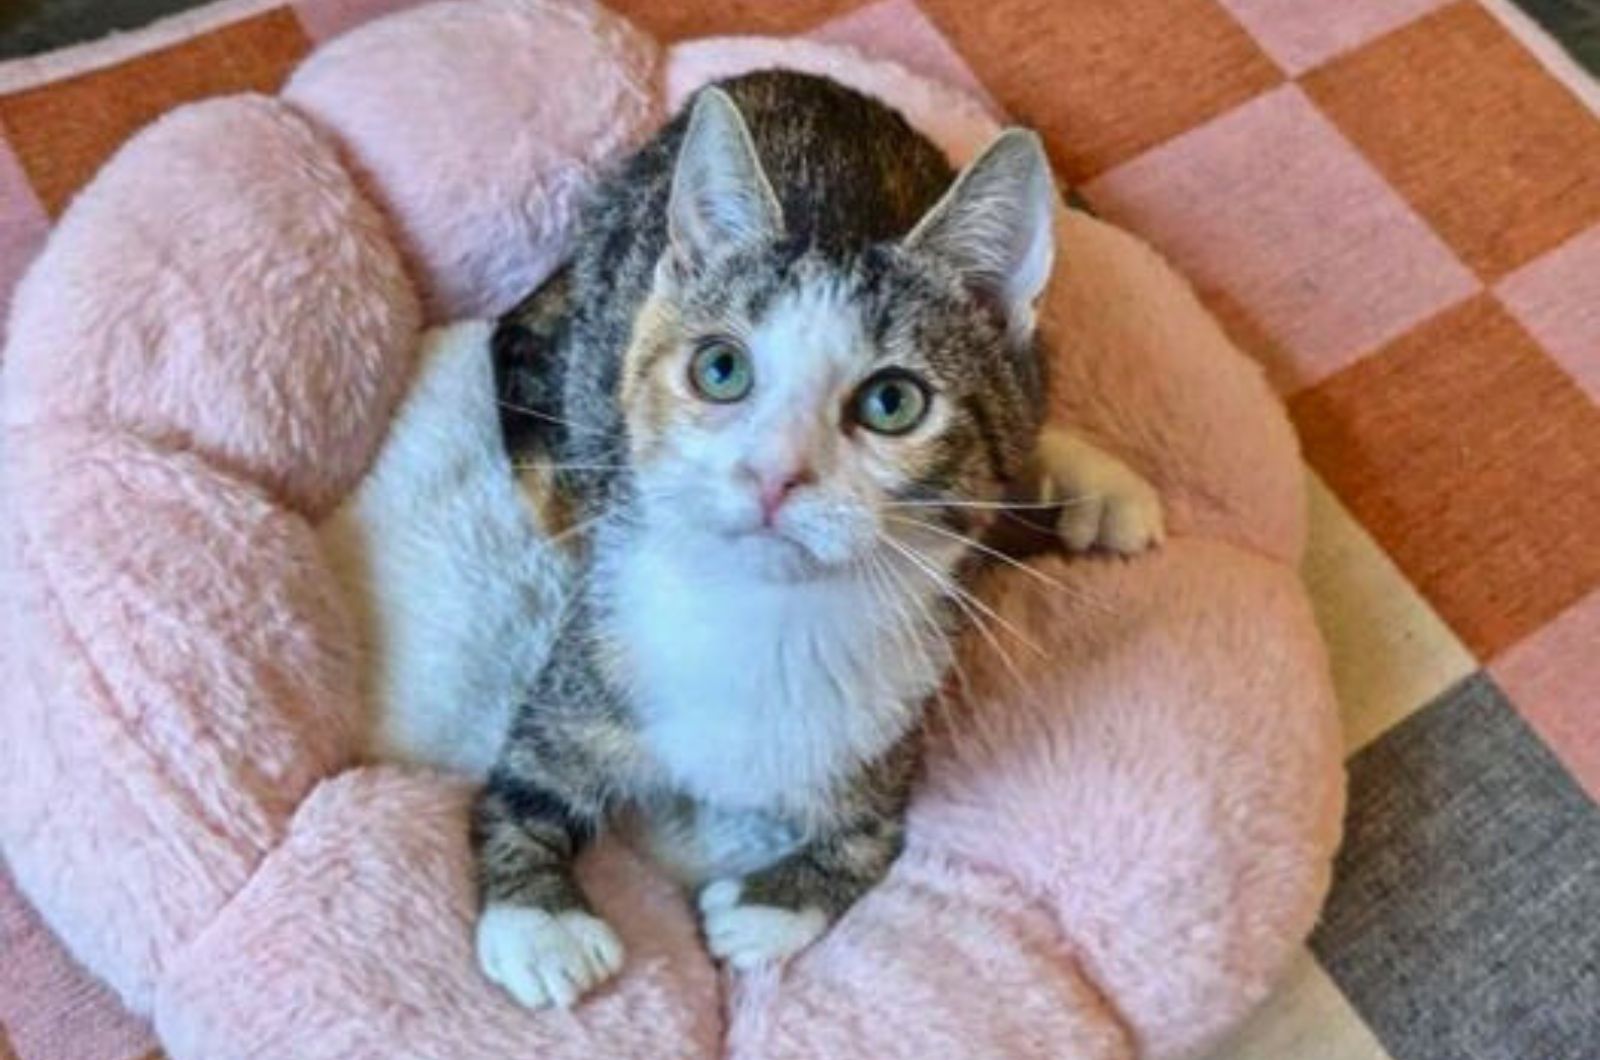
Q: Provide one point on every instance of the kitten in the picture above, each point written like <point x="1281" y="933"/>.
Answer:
<point x="786" y="378"/>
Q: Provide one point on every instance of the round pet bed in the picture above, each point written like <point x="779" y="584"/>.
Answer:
<point x="1114" y="852"/>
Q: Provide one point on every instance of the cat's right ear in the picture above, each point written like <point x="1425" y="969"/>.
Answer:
<point x="721" y="199"/>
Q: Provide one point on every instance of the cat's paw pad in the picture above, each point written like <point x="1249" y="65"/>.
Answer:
<point x="746" y="935"/>
<point x="1105" y="503"/>
<point x="544" y="959"/>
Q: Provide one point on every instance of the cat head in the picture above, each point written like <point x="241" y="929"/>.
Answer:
<point x="800" y="407"/>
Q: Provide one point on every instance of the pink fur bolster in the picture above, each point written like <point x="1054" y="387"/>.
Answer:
<point x="180" y="678"/>
<point x="353" y="940"/>
<point x="1171" y="791"/>
<point x="221" y="287"/>
<point x="944" y="959"/>
<point x="1112" y="855"/>
<point x="491" y="119"/>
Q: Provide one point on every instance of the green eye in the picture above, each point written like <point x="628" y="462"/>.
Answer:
<point x="720" y="371"/>
<point x="891" y="403"/>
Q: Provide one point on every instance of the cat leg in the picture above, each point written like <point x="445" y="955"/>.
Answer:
<point x="1106" y="504"/>
<point x="536" y="935"/>
<point x="774" y="912"/>
<point x="546" y="797"/>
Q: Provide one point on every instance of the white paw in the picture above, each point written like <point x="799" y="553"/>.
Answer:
<point x="543" y="959"/>
<point x="1107" y="504"/>
<point x="747" y="936"/>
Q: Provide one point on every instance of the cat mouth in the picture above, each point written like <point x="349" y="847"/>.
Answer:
<point x="762" y="533"/>
<point x="780" y="548"/>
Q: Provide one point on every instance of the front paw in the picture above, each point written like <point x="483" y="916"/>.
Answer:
<point x="748" y="935"/>
<point x="1105" y="503"/>
<point x="544" y="959"/>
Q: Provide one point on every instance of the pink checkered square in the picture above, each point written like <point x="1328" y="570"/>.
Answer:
<point x="1557" y="298"/>
<point x="1271" y="208"/>
<point x="1553" y="677"/>
<point x="1301" y="34"/>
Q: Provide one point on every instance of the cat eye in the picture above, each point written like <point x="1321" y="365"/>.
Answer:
<point x="720" y="371"/>
<point x="891" y="403"/>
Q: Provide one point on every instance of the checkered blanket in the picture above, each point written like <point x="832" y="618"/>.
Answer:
<point x="1395" y="206"/>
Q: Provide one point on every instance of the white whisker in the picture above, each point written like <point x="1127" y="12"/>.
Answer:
<point x="576" y="529"/>
<point x="535" y="413"/>
<point x="971" y="605"/>
<point x="988" y="635"/>
<point x="994" y="553"/>
<point x="883" y="592"/>
<point x="937" y="629"/>
<point x="922" y="631"/>
<point x="1018" y="506"/>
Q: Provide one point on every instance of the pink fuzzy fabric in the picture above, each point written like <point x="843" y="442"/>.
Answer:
<point x="490" y="121"/>
<point x="1114" y="852"/>
<point x="221" y="289"/>
<point x="354" y="940"/>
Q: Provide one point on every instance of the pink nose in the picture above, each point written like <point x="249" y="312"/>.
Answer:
<point x="774" y="490"/>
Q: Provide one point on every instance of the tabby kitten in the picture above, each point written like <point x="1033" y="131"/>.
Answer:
<point x="787" y="375"/>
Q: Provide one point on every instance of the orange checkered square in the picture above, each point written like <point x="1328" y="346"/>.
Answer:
<point x="1491" y="149"/>
<point x="1103" y="80"/>
<point x="1471" y="457"/>
<point x="63" y="131"/>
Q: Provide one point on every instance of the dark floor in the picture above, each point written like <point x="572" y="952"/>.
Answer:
<point x="29" y="26"/>
<point x="1575" y="22"/>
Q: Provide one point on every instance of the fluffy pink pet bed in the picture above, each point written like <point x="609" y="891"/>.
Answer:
<point x="1115" y="859"/>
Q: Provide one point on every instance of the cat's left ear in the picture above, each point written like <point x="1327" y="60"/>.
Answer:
<point x="996" y="225"/>
<point x="721" y="199"/>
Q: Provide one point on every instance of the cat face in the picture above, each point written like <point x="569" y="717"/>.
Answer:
<point x="800" y="412"/>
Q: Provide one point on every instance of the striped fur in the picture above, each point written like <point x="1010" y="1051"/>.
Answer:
<point x="751" y="690"/>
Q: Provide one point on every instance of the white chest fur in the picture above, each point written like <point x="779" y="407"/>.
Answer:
<point x="764" y="694"/>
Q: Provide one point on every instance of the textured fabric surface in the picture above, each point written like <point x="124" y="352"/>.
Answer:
<point x="1207" y="906"/>
<point x="1463" y="822"/>
<point x="1391" y="204"/>
<point x="353" y="940"/>
<point x="476" y="246"/>
<point x="285" y="928"/>
<point x="103" y="107"/>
